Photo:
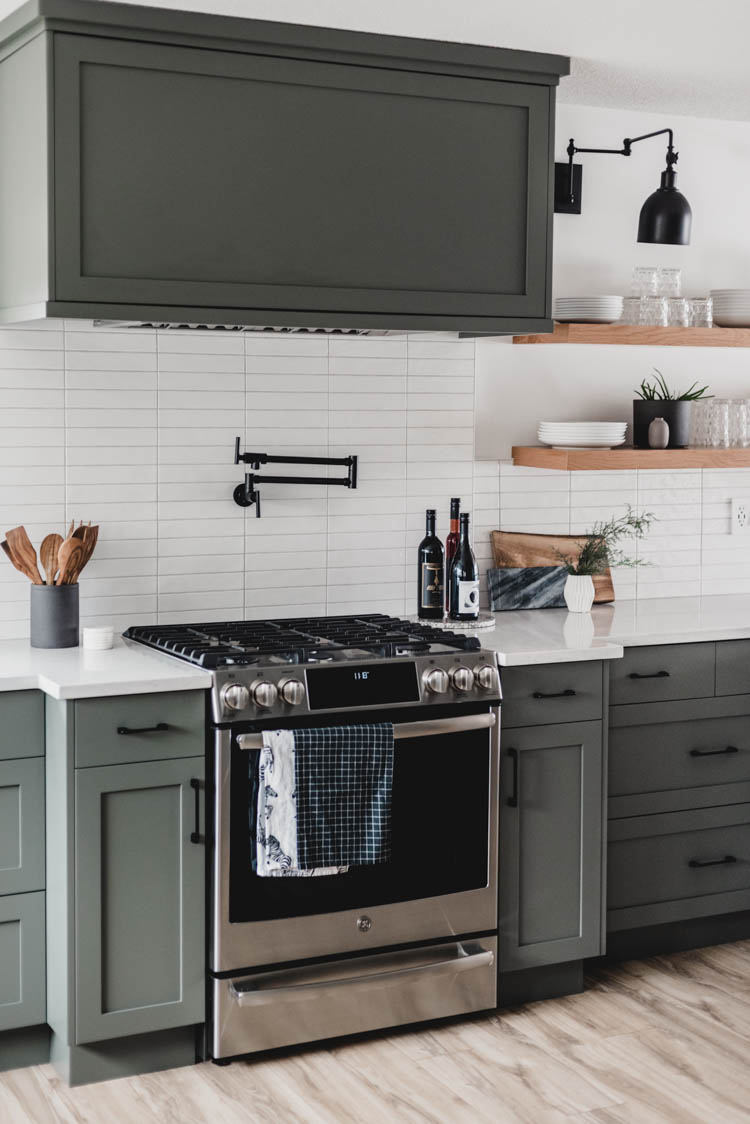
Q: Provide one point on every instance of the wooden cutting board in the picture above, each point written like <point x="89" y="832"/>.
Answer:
<point x="519" y="548"/>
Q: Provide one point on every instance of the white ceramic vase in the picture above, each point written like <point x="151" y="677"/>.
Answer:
<point x="579" y="593"/>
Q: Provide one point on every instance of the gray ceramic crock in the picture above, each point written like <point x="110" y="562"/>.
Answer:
<point x="54" y="616"/>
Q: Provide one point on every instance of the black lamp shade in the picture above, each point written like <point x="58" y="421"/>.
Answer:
<point x="666" y="216"/>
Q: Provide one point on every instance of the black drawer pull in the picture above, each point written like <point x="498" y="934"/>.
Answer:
<point x="559" y="695"/>
<point x="513" y="798"/>
<point x="157" y="729"/>
<point x="655" y="675"/>
<point x="713" y="862"/>
<point x="714" y="752"/>
<point x="195" y="836"/>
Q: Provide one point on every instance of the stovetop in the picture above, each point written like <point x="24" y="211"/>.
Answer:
<point x="303" y="640"/>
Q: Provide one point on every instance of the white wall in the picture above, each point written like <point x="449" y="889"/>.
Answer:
<point x="135" y="430"/>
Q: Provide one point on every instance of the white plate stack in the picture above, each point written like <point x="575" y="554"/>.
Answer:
<point x="582" y="435"/>
<point x="731" y="307"/>
<point x="588" y="310"/>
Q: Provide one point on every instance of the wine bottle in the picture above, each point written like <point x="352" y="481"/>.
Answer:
<point x="430" y="573"/>
<point x="464" y="599"/>
<point x="451" y="545"/>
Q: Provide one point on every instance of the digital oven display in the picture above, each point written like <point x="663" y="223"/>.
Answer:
<point x="361" y="685"/>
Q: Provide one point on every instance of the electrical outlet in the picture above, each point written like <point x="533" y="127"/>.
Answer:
<point x="740" y="517"/>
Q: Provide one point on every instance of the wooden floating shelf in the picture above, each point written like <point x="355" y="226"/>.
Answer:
<point x="610" y="460"/>
<point x="632" y="334"/>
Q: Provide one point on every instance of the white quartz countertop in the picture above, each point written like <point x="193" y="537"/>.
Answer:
<point x="78" y="673"/>
<point x="536" y="636"/>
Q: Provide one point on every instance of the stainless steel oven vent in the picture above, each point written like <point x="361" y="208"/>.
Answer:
<point x="253" y="329"/>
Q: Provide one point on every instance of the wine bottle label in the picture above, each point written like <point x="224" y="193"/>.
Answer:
<point x="468" y="597"/>
<point x="432" y="585"/>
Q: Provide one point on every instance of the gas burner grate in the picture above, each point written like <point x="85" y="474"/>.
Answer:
<point x="299" y="640"/>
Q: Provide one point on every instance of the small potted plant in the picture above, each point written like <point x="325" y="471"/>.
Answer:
<point x="656" y="400"/>
<point x="601" y="548"/>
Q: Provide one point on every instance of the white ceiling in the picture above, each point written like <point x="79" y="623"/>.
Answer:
<point x="675" y="56"/>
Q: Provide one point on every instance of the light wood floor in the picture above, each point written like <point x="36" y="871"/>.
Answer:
<point x="666" y="1039"/>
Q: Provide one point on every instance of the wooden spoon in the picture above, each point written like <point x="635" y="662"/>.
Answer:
<point x="62" y="556"/>
<point x="70" y="566"/>
<point x="13" y="561"/>
<point x="48" y="552"/>
<point x="22" y="550"/>
<point x="89" y="542"/>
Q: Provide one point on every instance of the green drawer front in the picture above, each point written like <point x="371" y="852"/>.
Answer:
<point x="733" y="667"/>
<point x="534" y="696"/>
<point x="663" y="671"/>
<point x="672" y="755"/>
<point x="650" y="857"/>
<point x="22" y="961"/>
<point x="21" y="724"/>
<point x="21" y="825"/>
<point x="97" y="721"/>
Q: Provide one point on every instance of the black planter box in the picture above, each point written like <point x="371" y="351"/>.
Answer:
<point x="676" y="415"/>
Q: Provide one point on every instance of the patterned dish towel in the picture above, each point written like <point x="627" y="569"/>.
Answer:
<point x="324" y="800"/>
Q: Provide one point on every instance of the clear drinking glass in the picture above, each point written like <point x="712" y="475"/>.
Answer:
<point x="631" y="310"/>
<point x="701" y="312"/>
<point x="738" y="421"/>
<point x="699" y="418"/>
<point x="669" y="282"/>
<point x="654" y="312"/>
<point x="678" y="312"/>
<point x="644" y="281"/>
<point x="718" y="423"/>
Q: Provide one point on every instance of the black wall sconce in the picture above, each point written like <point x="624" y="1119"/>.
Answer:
<point x="665" y="217"/>
<point x="247" y="494"/>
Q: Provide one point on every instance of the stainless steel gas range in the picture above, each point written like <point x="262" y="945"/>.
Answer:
<point x="301" y="959"/>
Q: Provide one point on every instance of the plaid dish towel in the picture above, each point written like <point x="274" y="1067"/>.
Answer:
<point x="324" y="800"/>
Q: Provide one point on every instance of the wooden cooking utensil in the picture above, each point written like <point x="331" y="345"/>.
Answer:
<point x="62" y="556"/>
<point x="22" y="550"/>
<point x="89" y="542"/>
<point x="48" y="552"/>
<point x="70" y="565"/>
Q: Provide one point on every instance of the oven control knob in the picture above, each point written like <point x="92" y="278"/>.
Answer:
<point x="436" y="681"/>
<point x="235" y="696"/>
<point x="265" y="694"/>
<point x="486" y="677"/>
<point x="462" y="678"/>
<point x="292" y="691"/>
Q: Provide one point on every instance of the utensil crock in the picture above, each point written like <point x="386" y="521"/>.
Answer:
<point x="54" y="616"/>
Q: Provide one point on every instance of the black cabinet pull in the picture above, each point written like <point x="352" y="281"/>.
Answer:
<point x="655" y="675"/>
<point x="157" y="729"/>
<point x="195" y="836"/>
<point x="513" y="798"/>
<point x="713" y="862"/>
<point x="713" y="752"/>
<point x="569" y="694"/>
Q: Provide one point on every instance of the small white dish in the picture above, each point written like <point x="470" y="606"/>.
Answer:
<point x="98" y="639"/>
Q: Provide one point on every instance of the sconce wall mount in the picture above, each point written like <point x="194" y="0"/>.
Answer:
<point x="665" y="217"/>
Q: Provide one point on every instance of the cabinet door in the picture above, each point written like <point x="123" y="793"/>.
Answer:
<point x="551" y="824"/>
<point x="22" y="974"/>
<point x="140" y="900"/>
<point x="297" y="185"/>
<point x="21" y="825"/>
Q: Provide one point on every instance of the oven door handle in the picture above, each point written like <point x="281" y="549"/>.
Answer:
<point x="256" y="997"/>
<point x="408" y="729"/>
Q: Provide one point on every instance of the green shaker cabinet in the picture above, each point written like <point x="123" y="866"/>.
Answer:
<point x="139" y="899"/>
<point x="273" y="151"/>
<point x="550" y="845"/>
<point x="22" y="974"/>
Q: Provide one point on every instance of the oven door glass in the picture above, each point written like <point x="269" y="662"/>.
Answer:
<point x="440" y="824"/>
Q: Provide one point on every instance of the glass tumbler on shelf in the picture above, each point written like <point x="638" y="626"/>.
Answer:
<point x="654" y="312"/>
<point x="701" y="312"/>
<point x="678" y="312"/>
<point x="644" y="281"/>
<point x="699" y="419"/>
<point x="738" y="423"/>
<point x="669" y="282"/>
<point x="718" y="423"/>
<point x="631" y="310"/>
